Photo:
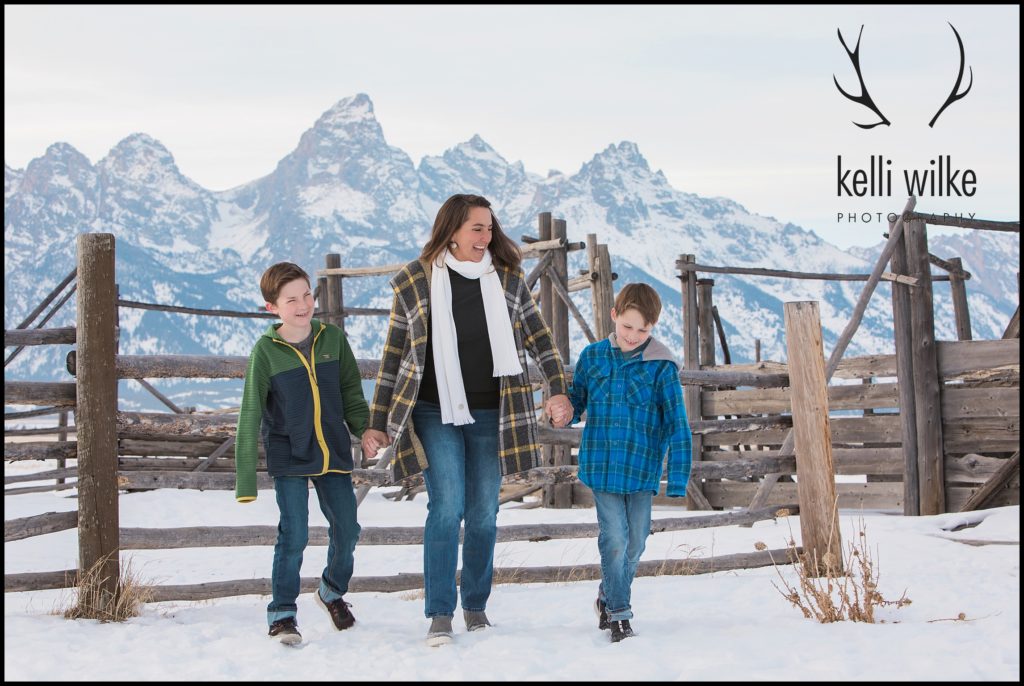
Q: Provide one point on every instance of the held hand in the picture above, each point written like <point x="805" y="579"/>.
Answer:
<point x="563" y="411"/>
<point x="559" y="409"/>
<point x="373" y="440"/>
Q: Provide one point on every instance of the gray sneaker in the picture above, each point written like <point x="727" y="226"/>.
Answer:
<point x="475" y="621"/>
<point x="440" y="631"/>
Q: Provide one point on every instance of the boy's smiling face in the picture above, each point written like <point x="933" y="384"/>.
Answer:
<point x="631" y="331"/>
<point x="295" y="308"/>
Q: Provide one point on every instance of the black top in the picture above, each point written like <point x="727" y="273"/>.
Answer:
<point x="475" y="359"/>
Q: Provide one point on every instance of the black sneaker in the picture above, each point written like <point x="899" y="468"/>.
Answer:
<point x="286" y="631"/>
<point x="621" y="630"/>
<point x="338" y="610"/>
<point x="602" y="614"/>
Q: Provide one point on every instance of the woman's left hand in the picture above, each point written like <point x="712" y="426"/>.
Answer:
<point x="559" y="409"/>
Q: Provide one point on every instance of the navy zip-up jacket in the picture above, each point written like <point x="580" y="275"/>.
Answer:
<point x="300" y="409"/>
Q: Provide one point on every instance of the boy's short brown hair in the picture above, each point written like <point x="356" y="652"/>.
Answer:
<point x="276" y="276"/>
<point x="641" y="298"/>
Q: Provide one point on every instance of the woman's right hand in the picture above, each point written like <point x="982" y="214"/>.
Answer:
<point x="373" y="440"/>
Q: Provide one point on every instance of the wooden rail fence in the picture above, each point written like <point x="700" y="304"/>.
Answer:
<point x="934" y="427"/>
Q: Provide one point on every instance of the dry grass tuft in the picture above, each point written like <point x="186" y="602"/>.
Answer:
<point x="851" y="594"/>
<point x="91" y="601"/>
<point x="685" y="566"/>
<point x="415" y="594"/>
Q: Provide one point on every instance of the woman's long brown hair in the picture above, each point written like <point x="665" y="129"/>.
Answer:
<point x="453" y="214"/>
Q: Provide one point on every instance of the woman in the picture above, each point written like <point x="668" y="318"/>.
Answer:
<point x="454" y="393"/>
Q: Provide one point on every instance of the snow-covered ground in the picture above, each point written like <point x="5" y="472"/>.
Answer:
<point x="720" y="626"/>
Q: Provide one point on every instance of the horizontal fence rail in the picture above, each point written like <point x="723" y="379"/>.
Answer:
<point x="139" y="539"/>
<point x="35" y="581"/>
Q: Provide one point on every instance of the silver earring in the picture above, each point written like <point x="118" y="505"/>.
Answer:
<point x="453" y="245"/>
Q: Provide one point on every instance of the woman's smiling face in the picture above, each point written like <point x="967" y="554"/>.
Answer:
<point x="472" y="238"/>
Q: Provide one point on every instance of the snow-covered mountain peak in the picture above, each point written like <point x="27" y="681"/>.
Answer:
<point x="59" y="156"/>
<point x="349" y="119"/>
<point x="478" y="147"/>
<point x="142" y="160"/>
<point x="63" y="166"/>
<point x="624" y="155"/>
<point x="61" y="151"/>
<point x="140" y="149"/>
<point x="622" y="166"/>
<point x="474" y="166"/>
<point x="478" y="153"/>
<point x="355" y="108"/>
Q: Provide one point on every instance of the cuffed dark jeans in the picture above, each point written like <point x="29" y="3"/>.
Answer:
<point x="624" y="522"/>
<point x="338" y="503"/>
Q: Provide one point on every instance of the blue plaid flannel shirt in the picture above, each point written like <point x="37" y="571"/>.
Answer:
<point x="635" y="414"/>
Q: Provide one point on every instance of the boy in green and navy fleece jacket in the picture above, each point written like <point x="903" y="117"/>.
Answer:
<point x="302" y="387"/>
<point x="628" y="384"/>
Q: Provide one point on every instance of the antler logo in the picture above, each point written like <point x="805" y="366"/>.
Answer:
<point x="865" y="98"/>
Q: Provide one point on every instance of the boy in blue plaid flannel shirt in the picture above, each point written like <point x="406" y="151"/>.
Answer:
<point x="628" y="384"/>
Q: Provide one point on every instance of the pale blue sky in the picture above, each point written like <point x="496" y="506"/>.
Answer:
<point x="726" y="101"/>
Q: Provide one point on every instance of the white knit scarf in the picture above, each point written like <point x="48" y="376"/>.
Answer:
<point x="450" y="387"/>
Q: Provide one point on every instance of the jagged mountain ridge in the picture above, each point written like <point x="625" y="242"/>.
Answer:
<point x="345" y="190"/>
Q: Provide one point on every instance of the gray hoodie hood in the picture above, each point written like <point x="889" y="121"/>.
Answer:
<point x="655" y="350"/>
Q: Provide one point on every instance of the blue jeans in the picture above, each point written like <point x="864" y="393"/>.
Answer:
<point x="624" y="522"/>
<point x="463" y="480"/>
<point x="338" y="503"/>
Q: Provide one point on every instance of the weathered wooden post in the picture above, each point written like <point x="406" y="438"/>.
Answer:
<point x="905" y="378"/>
<point x="321" y="296"/>
<point x="559" y="495"/>
<point x="726" y="358"/>
<point x="62" y="435"/>
<point x="546" y="304"/>
<point x="927" y="386"/>
<point x="95" y="419"/>
<point x="706" y="327"/>
<point x="546" y="295"/>
<point x="816" y="489"/>
<point x="560" y="311"/>
<point x="695" y="498"/>
<point x="757" y="350"/>
<point x="961" y="310"/>
<point x="601" y="292"/>
<point x="335" y="296"/>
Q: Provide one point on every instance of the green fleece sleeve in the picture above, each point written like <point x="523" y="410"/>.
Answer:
<point x="357" y="411"/>
<point x="250" y="416"/>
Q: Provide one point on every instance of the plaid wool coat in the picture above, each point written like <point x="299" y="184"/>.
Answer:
<point x="405" y="351"/>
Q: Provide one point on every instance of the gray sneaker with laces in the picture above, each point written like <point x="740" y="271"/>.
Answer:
<point x="440" y="631"/>
<point x="475" y="621"/>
